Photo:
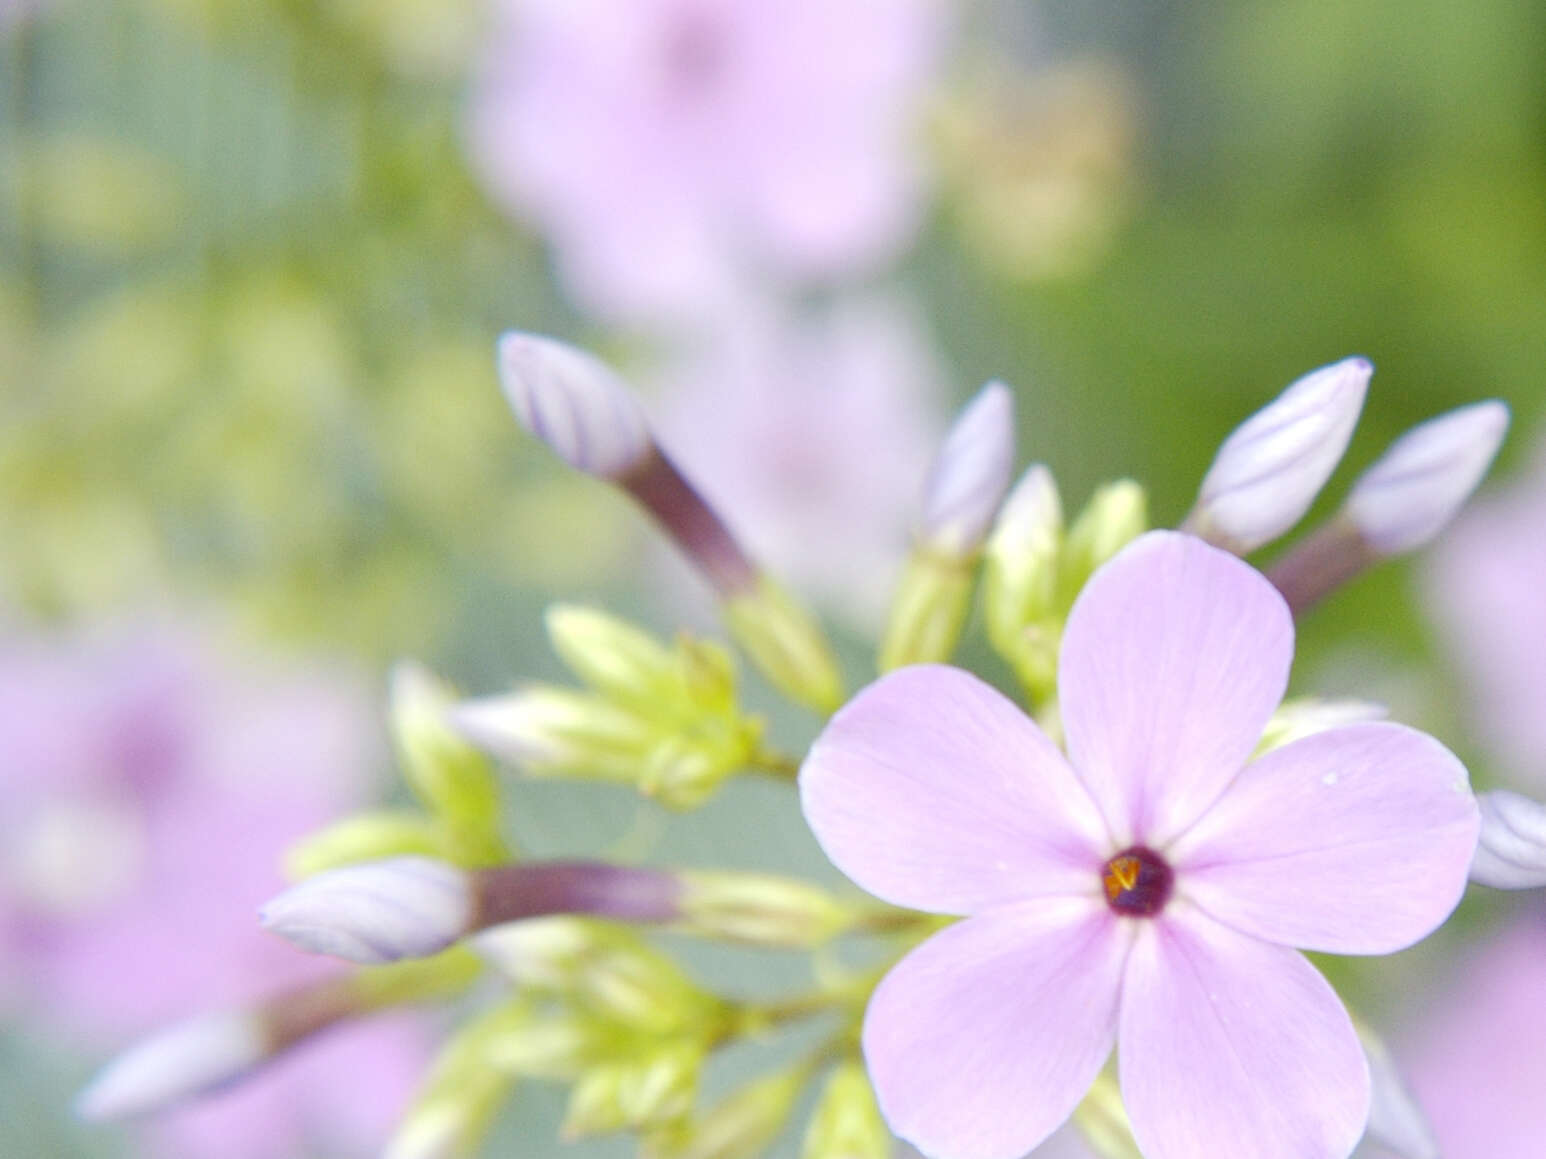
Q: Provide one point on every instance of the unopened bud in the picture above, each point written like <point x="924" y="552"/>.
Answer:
<point x="618" y="660"/>
<point x="557" y="1044"/>
<point x="785" y="643"/>
<point x="740" y="1126"/>
<point x="1102" y="1120"/>
<point x="846" y="1123"/>
<point x="639" y="1093"/>
<point x="604" y="967"/>
<point x="451" y="777"/>
<point x="1020" y="584"/>
<point x="1116" y="514"/>
<point x="376" y="912"/>
<point x="174" y="1064"/>
<point x="928" y="611"/>
<point x="759" y="909"/>
<point x="969" y="475"/>
<point x="574" y="403"/>
<point x="1269" y="470"/>
<point x="1511" y="852"/>
<point x="363" y="837"/>
<point x="1419" y="484"/>
<point x="1307" y="715"/>
<point x="557" y="732"/>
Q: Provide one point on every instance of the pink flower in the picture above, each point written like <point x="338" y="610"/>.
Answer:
<point x="669" y="148"/>
<point x="149" y="783"/>
<point x="1147" y="889"/>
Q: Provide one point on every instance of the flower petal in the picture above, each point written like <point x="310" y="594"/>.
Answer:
<point x="983" y="1040"/>
<point x="1353" y="841"/>
<point x="1233" y="1046"/>
<point x="1175" y="655"/>
<point x="932" y="790"/>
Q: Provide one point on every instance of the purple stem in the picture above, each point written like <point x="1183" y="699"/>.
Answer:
<point x="688" y="519"/>
<point x="591" y="888"/>
<point x="1320" y="563"/>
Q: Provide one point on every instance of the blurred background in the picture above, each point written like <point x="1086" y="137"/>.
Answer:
<point x="254" y="255"/>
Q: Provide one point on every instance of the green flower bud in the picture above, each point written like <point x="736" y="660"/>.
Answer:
<point x="681" y="772"/>
<point x="553" y="732"/>
<point x="1305" y="716"/>
<point x="786" y="645"/>
<point x="604" y="967"/>
<point x="759" y="909"/>
<point x="546" y="1043"/>
<point x="655" y="1090"/>
<point x="1020" y="585"/>
<point x="928" y="610"/>
<point x="1102" y="1119"/>
<point x="364" y="837"/>
<point x="452" y="778"/>
<point x="708" y="674"/>
<point x="450" y="1117"/>
<point x="740" y="1126"/>
<point x="619" y="661"/>
<point x="846" y="1123"/>
<point x="1116" y="514"/>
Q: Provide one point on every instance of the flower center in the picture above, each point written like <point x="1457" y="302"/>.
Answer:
<point x="1137" y="882"/>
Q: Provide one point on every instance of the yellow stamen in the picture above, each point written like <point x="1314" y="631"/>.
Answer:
<point x="1121" y="876"/>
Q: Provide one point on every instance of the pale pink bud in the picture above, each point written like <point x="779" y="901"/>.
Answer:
<point x="970" y="474"/>
<point x="1269" y="470"/>
<point x="575" y="404"/>
<point x="1511" y="852"/>
<point x="1417" y="486"/>
<point x="174" y="1064"/>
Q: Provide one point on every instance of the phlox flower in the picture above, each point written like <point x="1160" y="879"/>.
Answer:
<point x="671" y="149"/>
<point x="1148" y="889"/>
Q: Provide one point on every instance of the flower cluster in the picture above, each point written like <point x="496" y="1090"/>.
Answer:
<point x="1138" y="850"/>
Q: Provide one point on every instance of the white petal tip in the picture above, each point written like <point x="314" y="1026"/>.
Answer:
<point x="375" y="912"/>
<point x="1269" y="470"/>
<point x="574" y="403"/>
<point x="178" y="1063"/>
<point x="970" y="474"/>
<point x="1419" y="484"/>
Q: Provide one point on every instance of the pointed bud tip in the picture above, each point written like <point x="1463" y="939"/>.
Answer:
<point x="1271" y="467"/>
<point x="574" y="403"/>
<point x="970" y="474"/>
<point x="178" y="1063"/>
<point x="1420" y="483"/>
<point x="375" y="912"/>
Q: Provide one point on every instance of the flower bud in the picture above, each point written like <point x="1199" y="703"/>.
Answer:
<point x="786" y="644"/>
<point x="969" y="475"/>
<point x="1116" y="514"/>
<point x="638" y="1093"/>
<point x="174" y="1064"/>
<point x="558" y="1044"/>
<point x="376" y="912"/>
<point x="758" y="909"/>
<point x="928" y="611"/>
<point x="617" y="660"/>
<point x="740" y="1126"/>
<point x="363" y="837"/>
<point x="1416" y="487"/>
<point x="1269" y="470"/>
<point x="1305" y="716"/>
<point x="557" y="732"/>
<point x="1022" y="560"/>
<point x="846" y="1123"/>
<point x="575" y="404"/>
<point x="451" y="777"/>
<point x="1511" y="852"/>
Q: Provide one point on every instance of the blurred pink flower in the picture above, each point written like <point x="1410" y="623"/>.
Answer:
<point x="149" y="782"/>
<point x="1484" y="588"/>
<point x="1476" y="1060"/>
<point x="1148" y="890"/>
<point x="812" y="436"/>
<point x="670" y="148"/>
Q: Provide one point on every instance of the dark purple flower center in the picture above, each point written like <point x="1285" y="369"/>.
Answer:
<point x="1137" y="882"/>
